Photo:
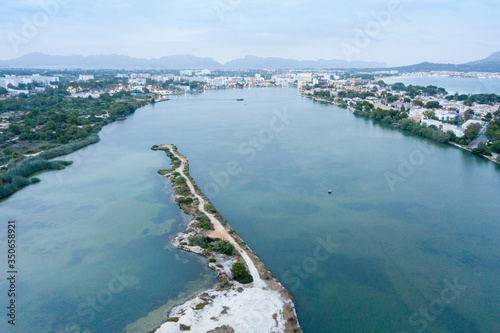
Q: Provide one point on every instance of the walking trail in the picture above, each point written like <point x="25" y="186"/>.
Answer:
<point x="219" y="230"/>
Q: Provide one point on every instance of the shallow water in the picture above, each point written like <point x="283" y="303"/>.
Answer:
<point x="452" y="84"/>
<point x="267" y="164"/>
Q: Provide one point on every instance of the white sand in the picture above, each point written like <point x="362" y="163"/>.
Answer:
<point x="249" y="311"/>
<point x="245" y="308"/>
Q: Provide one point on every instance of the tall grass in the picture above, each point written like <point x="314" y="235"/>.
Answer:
<point x="17" y="177"/>
<point x="70" y="147"/>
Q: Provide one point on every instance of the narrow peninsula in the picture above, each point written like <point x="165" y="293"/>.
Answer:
<point x="248" y="297"/>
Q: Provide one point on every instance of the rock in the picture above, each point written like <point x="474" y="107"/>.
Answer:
<point x="222" y="329"/>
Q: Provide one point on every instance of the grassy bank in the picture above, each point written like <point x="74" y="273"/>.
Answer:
<point x="20" y="174"/>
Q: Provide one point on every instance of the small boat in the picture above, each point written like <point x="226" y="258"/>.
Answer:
<point x="240" y="100"/>
<point x="330" y="191"/>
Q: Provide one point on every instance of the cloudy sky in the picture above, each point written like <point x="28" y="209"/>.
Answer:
<point x="398" y="32"/>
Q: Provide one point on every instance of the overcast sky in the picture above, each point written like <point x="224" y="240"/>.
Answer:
<point x="398" y="32"/>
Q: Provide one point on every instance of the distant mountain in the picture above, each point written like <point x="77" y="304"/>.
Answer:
<point x="489" y="64"/>
<point x="112" y="61"/>
<point x="115" y="61"/>
<point x="252" y="62"/>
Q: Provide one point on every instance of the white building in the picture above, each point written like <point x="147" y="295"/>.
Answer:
<point x="470" y="122"/>
<point x="85" y="77"/>
<point x="445" y="115"/>
<point x="139" y="82"/>
<point x="17" y="80"/>
<point x="443" y="126"/>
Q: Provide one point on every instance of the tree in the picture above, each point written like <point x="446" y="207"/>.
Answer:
<point x="482" y="149"/>
<point x="15" y="129"/>
<point x="430" y="114"/>
<point x="433" y="105"/>
<point x="223" y="246"/>
<point x="240" y="273"/>
<point x="418" y="102"/>
<point x="3" y="91"/>
<point x="468" y="114"/>
<point x="493" y="131"/>
<point x="472" y="131"/>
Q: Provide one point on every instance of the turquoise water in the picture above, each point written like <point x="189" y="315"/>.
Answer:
<point x="452" y="84"/>
<point x="405" y="215"/>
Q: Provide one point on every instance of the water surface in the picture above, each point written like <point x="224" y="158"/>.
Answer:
<point x="452" y="84"/>
<point x="267" y="164"/>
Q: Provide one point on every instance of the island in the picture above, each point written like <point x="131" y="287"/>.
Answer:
<point x="248" y="297"/>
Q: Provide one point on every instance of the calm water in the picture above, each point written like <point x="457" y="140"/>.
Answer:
<point x="452" y="84"/>
<point x="395" y="242"/>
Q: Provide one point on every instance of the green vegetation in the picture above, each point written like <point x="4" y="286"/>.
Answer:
<point x="414" y="90"/>
<point x="223" y="246"/>
<point x="430" y="132"/>
<point x="185" y="201"/>
<point x="493" y="132"/>
<point x="218" y="245"/>
<point x="400" y="119"/>
<point x="185" y="327"/>
<point x="433" y="105"/>
<point x="70" y="147"/>
<point x="18" y="176"/>
<point x="367" y="110"/>
<point x="200" y="306"/>
<point x="173" y="319"/>
<point x="55" y="124"/>
<point x="472" y="131"/>
<point x="240" y="273"/>
<point x="489" y="99"/>
<point x="212" y="260"/>
<point x="482" y="149"/>
<point x="203" y="222"/>
<point x="354" y="94"/>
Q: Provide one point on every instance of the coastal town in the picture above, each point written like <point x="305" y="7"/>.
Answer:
<point x="465" y="118"/>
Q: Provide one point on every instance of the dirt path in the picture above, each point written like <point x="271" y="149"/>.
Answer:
<point x="220" y="231"/>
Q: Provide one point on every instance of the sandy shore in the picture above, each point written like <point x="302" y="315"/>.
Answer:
<point x="260" y="306"/>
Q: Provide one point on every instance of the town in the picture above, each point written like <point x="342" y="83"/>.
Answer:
<point x="46" y="111"/>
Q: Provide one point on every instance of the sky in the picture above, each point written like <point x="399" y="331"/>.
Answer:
<point x="397" y="32"/>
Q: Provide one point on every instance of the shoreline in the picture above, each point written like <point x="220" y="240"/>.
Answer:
<point x="320" y="100"/>
<point x="261" y="305"/>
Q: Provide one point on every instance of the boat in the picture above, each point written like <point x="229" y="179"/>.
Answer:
<point x="240" y="100"/>
<point x="330" y="191"/>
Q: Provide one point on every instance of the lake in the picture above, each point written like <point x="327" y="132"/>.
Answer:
<point x="407" y="240"/>
<point x="460" y="85"/>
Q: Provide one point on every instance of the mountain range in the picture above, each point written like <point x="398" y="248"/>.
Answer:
<point x="115" y="61"/>
<point x="175" y="62"/>
<point x="489" y="64"/>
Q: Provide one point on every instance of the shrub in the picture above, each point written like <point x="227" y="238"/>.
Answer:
<point x="212" y="260"/>
<point x="173" y="319"/>
<point x="223" y="246"/>
<point x="200" y="306"/>
<point x="482" y="149"/>
<point x="240" y="273"/>
<point x="185" y="201"/>
<point x="17" y="177"/>
<point x="70" y="147"/>
<point x="201" y="241"/>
